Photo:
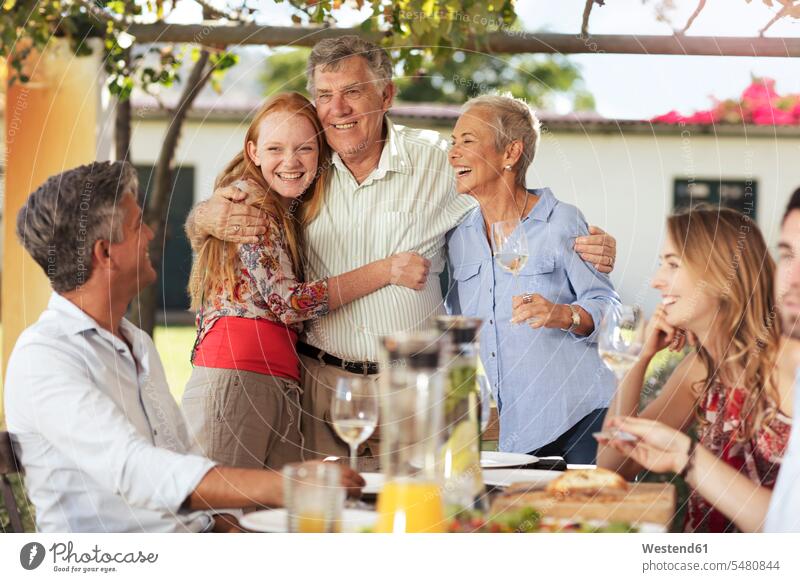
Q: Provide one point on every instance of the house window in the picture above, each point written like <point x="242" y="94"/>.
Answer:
<point x="741" y="195"/>
<point x="176" y="264"/>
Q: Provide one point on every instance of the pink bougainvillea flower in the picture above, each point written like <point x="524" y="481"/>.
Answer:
<point x="768" y="115"/>
<point x="759" y="104"/>
<point x="702" y="118"/>
<point x="760" y="91"/>
<point x="671" y="117"/>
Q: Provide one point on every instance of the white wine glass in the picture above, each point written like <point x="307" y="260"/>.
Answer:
<point x="355" y="412"/>
<point x="620" y="341"/>
<point x="509" y="245"/>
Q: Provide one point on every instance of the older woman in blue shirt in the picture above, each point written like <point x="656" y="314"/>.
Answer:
<point x="538" y="343"/>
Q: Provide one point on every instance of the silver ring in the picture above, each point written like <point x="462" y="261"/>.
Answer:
<point x="527" y="298"/>
<point x="236" y="228"/>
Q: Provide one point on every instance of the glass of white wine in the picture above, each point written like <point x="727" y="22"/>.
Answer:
<point x="355" y="412"/>
<point x="620" y="341"/>
<point x="509" y="245"/>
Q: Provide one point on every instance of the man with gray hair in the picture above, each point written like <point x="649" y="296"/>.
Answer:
<point x="102" y="441"/>
<point x="391" y="190"/>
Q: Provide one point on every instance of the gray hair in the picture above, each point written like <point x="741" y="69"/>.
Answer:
<point x="330" y="52"/>
<point x="514" y="121"/>
<point x="65" y="216"/>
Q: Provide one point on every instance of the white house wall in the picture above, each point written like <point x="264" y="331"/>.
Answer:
<point x="623" y="183"/>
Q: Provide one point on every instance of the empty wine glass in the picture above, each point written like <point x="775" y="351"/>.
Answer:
<point x="509" y="245"/>
<point x="620" y="341"/>
<point x="355" y="412"/>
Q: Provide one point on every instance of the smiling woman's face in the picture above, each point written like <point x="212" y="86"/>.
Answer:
<point x="688" y="300"/>
<point x="473" y="154"/>
<point x="286" y="152"/>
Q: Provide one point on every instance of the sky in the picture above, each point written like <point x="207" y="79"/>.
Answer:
<point x="636" y="86"/>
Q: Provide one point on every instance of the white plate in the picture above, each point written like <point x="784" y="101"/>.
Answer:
<point x="374" y="483"/>
<point x="643" y="527"/>
<point x="495" y="460"/>
<point x="275" y="520"/>
<point x="507" y="477"/>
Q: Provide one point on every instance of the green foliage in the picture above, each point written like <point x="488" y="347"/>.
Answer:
<point x="536" y="78"/>
<point x="285" y="71"/>
<point x="419" y="30"/>
<point x="456" y="79"/>
<point x="28" y="25"/>
<point x="24" y="505"/>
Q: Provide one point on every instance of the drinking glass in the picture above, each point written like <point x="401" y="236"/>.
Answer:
<point x="487" y="398"/>
<point x="314" y="497"/>
<point x="355" y="412"/>
<point x="620" y="341"/>
<point x="509" y="245"/>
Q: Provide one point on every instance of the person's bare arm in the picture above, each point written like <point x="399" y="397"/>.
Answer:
<point x="598" y="248"/>
<point x="664" y="449"/>
<point x="229" y="214"/>
<point x="737" y="497"/>
<point x="232" y="487"/>
<point x="404" y="269"/>
<point x="674" y="406"/>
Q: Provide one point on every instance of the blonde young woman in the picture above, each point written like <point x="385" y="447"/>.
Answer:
<point x="242" y="401"/>
<point x="717" y="284"/>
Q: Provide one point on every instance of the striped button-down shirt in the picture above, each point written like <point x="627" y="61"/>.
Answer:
<point x="408" y="203"/>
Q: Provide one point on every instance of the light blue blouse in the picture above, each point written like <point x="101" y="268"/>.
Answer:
<point x="544" y="380"/>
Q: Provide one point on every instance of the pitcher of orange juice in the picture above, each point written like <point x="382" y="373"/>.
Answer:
<point x="412" y="416"/>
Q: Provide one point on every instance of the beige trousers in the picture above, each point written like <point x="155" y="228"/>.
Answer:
<point x="244" y="419"/>
<point x="319" y="386"/>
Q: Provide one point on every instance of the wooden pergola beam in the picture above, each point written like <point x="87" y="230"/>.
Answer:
<point x="513" y="43"/>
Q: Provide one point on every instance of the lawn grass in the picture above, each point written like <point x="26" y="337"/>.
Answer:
<point x="174" y="344"/>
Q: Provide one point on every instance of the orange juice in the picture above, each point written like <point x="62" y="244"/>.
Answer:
<point x="411" y="507"/>
<point x="315" y="523"/>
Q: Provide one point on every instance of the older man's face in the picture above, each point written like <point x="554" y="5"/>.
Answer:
<point x="351" y="106"/>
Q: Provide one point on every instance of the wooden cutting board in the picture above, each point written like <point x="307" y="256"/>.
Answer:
<point x="642" y="503"/>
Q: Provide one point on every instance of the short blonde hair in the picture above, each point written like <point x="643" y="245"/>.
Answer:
<point x="515" y="121"/>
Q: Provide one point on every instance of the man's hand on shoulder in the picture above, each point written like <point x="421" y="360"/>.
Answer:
<point x="598" y="248"/>
<point x="231" y="214"/>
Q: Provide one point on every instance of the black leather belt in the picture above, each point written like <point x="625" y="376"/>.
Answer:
<point x="364" y="368"/>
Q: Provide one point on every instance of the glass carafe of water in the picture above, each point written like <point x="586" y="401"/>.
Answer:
<point x="461" y="448"/>
<point x="411" y="427"/>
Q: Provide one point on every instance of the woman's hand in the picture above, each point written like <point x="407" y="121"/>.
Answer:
<point x="537" y="312"/>
<point x="409" y="270"/>
<point x="657" y="447"/>
<point x="660" y="335"/>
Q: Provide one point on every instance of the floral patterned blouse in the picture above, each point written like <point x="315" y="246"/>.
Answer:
<point x="759" y="458"/>
<point x="266" y="287"/>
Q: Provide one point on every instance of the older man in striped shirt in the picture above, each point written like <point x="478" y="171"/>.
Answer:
<point x="392" y="190"/>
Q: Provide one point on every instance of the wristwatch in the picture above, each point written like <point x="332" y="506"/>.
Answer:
<point x="576" y="319"/>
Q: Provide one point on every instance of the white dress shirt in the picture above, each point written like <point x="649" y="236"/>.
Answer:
<point x="103" y="443"/>
<point x="784" y="507"/>
<point x="408" y="203"/>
